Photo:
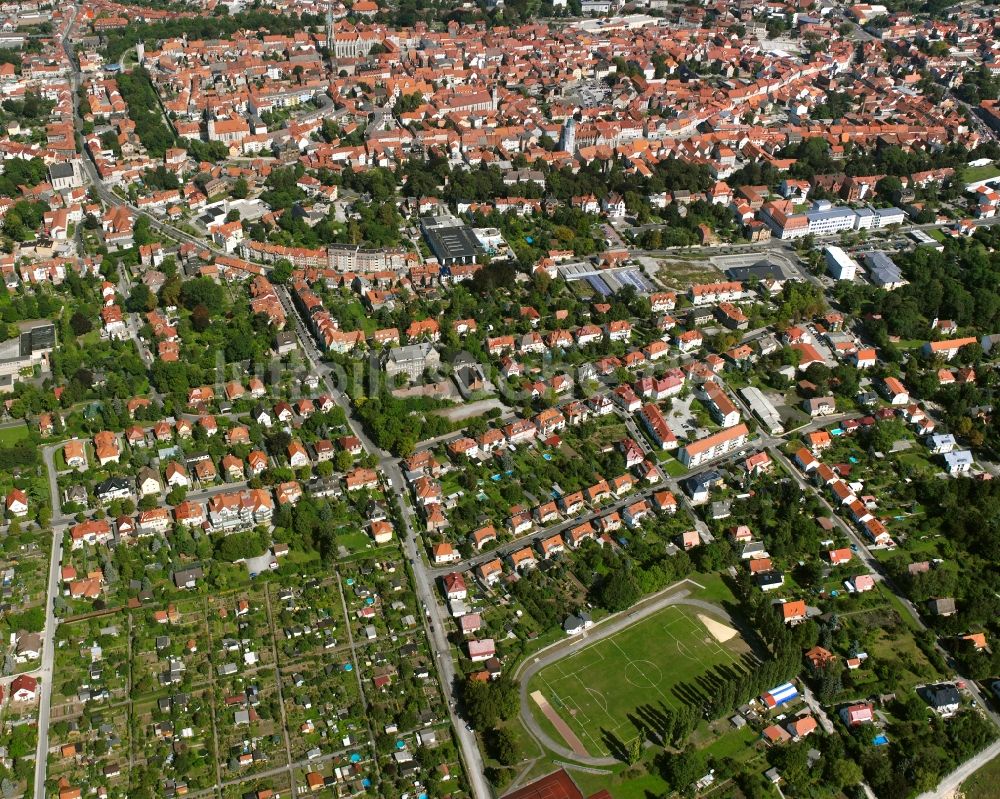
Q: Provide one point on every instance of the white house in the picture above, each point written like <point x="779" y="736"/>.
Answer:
<point x="958" y="461"/>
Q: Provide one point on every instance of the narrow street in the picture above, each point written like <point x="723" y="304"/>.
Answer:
<point x="423" y="578"/>
<point x="281" y="693"/>
<point x="58" y="524"/>
<point x="45" y="673"/>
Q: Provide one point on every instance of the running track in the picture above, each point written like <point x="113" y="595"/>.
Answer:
<point x="600" y="631"/>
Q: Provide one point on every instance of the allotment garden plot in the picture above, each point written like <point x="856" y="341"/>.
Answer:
<point x="655" y="665"/>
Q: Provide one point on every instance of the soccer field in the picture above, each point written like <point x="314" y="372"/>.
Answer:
<point x="660" y="662"/>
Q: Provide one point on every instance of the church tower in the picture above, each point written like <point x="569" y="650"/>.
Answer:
<point x="331" y="36"/>
<point x="567" y="141"/>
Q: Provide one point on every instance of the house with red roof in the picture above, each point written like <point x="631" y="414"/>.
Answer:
<point x="23" y="688"/>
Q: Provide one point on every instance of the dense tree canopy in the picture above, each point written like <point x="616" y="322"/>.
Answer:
<point x="144" y="109"/>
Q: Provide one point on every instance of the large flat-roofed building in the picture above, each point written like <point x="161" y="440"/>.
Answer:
<point x="825" y="219"/>
<point x="451" y="240"/>
<point x="713" y="446"/>
<point x="349" y="258"/>
<point x="875" y="218"/>
<point x="763" y="409"/>
<point x="32" y="346"/>
<point x="839" y="265"/>
<point x="762" y="270"/>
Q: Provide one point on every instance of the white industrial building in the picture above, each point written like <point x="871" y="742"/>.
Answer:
<point x="839" y="264"/>
<point x="875" y="218"/>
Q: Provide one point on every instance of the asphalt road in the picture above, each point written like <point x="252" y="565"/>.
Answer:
<point x="48" y="456"/>
<point x="422" y="577"/>
<point x="948" y="787"/>
<point x="434" y="622"/>
<point x="44" y="674"/>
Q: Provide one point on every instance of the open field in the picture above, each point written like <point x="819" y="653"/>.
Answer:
<point x="975" y="173"/>
<point x="680" y="273"/>
<point x="11" y="434"/>
<point x="982" y="784"/>
<point x="659" y="663"/>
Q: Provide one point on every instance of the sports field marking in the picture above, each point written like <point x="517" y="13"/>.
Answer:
<point x="594" y="689"/>
<point x="721" y="632"/>
<point x="643" y="674"/>
<point x="598" y="697"/>
<point x="561" y="726"/>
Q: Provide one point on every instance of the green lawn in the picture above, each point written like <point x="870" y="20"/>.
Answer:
<point x="355" y="542"/>
<point x="733" y="744"/>
<point x="916" y="459"/>
<point x="620" y="786"/>
<point x="982" y="784"/>
<point x="714" y="588"/>
<point x="972" y="174"/>
<point x="670" y="464"/>
<point x="12" y="434"/>
<point x="661" y="662"/>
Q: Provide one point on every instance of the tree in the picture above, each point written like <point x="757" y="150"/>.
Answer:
<point x="282" y="271"/>
<point x="23" y="219"/>
<point x="479" y="704"/>
<point x="684" y="722"/>
<point x="137" y="90"/>
<point x="80" y="324"/>
<point x="618" y="591"/>
<point x="141" y="299"/>
<point x="844" y="773"/>
<point x="505" y="693"/>
<point x="239" y="546"/>
<point x="633" y="750"/>
<point x="504" y="747"/>
<point x="21" y="172"/>
<point x="170" y="293"/>
<point x="32" y="620"/>
<point x="201" y="319"/>
<point x="683" y="769"/>
<point x="201" y="291"/>
<point x="241" y="189"/>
